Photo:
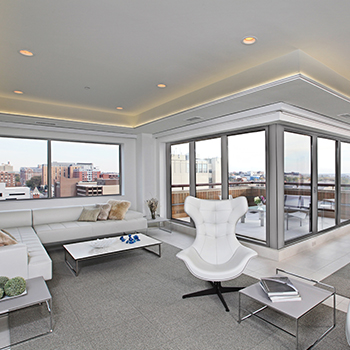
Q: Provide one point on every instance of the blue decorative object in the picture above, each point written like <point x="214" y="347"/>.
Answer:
<point x="131" y="239"/>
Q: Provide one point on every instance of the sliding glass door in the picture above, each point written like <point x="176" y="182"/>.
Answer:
<point x="247" y="177"/>
<point x="208" y="168"/>
<point x="180" y="180"/>
<point x="297" y="185"/>
<point x="345" y="182"/>
<point x="326" y="203"/>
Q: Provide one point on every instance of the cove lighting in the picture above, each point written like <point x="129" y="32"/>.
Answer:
<point x="19" y="92"/>
<point x="161" y="86"/>
<point x="119" y="107"/>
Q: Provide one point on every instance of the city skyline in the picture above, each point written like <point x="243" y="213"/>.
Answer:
<point x="106" y="157"/>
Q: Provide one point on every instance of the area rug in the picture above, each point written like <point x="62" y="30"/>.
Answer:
<point x="133" y="301"/>
<point x="340" y="280"/>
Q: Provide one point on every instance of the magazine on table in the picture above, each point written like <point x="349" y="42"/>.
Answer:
<point x="279" y="288"/>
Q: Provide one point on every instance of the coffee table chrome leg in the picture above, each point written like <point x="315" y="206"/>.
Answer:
<point x="49" y="308"/>
<point x="297" y="333"/>
<point x="152" y="251"/>
<point x="76" y="267"/>
<point x="70" y="266"/>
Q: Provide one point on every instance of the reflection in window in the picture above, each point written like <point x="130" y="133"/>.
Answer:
<point x="208" y="169"/>
<point x="326" y="183"/>
<point x="180" y="180"/>
<point x="247" y="177"/>
<point x="21" y="169"/>
<point x="345" y="182"/>
<point x="84" y="169"/>
<point x="297" y="185"/>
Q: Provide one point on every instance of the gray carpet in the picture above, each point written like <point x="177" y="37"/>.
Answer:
<point x="340" y="280"/>
<point x="134" y="301"/>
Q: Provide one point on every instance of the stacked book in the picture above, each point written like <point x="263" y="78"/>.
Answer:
<point x="279" y="288"/>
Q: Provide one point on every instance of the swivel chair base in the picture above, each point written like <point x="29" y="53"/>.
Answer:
<point x="216" y="289"/>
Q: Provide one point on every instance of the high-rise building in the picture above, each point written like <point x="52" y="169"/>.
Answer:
<point x="26" y="173"/>
<point x="8" y="178"/>
<point x="6" y="167"/>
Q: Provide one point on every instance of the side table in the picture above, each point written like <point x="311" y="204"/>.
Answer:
<point x="37" y="293"/>
<point x="311" y="296"/>
<point x="160" y="222"/>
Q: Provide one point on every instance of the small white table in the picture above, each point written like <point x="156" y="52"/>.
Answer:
<point x="37" y="293"/>
<point x="256" y="209"/>
<point x="84" y="251"/>
<point x="161" y="223"/>
<point x="311" y="296"/>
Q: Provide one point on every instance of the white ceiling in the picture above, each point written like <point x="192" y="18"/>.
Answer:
<point x="92" y="56"/>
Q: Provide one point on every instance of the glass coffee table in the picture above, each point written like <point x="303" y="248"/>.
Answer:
<point x="76" y="252"/>
<point x="313" y="293"/>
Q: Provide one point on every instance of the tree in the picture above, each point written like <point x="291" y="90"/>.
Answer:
<point x="35" y="181"/>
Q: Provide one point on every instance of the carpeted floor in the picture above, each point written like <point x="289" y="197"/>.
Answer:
<point x="134" y="301"/>
<point x="340" y="280"/>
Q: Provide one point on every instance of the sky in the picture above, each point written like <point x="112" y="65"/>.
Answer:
<point x="31" y="153"/>
<point x="246" y="151"/>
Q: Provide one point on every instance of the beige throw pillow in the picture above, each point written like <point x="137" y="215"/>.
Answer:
<point x="89" y="214"/>
<point x="118" y="209"/>
<point x="6" y="238"/>
<point x="104" y="211"/>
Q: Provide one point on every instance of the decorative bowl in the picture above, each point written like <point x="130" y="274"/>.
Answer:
<point x="102" y="243"/>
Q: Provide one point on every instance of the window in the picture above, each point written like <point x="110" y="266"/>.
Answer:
<point x="297" y="185"/>
<point x="84" y="169"/>
<point x="326" y="205"/>
<point x="246" y="156"/>
<point x="77" y="169"/>
<point x="208" y="165"/>
<point x="180" y="180"/>
<point x="21" y="168"/>
<point x="345" y="182"/>
<point x="315" y="192"/>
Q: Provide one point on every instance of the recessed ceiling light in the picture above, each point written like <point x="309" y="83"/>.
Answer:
<point x="249" y="40"/>
<point x="19" y="92"/>
<point x="26" y="53"/>
<point x="119" y="107"/>
<point x="162" y="86"/>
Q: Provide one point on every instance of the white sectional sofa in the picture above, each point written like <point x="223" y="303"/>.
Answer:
<point x="28" y="258"/>
<point x="34" y="228"/>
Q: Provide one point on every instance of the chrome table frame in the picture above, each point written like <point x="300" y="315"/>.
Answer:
<point x="37" y="293"/>
<point x="281" y="307"/>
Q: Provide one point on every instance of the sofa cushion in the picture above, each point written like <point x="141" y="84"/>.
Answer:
<point x="89" y="214"/>
<point x="64" y="231"/>
<point x="43" y="216"/>
<point x="118" y="209"/>
<point x="104" y="211"/>
<point x="15" y="218"/>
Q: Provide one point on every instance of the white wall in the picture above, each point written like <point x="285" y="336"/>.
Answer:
<point x="129" y="172"/>
<point x="147" y="170"/>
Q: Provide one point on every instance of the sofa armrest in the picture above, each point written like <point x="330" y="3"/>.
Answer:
<point x="14" y="261"/>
